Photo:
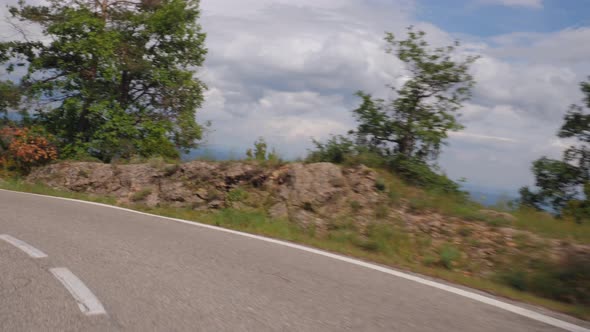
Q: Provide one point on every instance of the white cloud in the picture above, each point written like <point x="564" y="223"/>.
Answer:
<point x="535" y="4"/>
<point x="569" y="46"/>
<point x="477" y="137"/>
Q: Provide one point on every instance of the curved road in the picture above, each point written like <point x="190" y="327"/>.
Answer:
<point x="109" y="269"/>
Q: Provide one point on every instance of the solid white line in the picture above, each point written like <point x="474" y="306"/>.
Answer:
<point x="27" y="248"/>
<point x="87" y="302"/>
<point x="471" y="295"/>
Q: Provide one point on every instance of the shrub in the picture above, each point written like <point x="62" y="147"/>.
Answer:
<point x="343" y="150"/>
<point x="355" y="206"/>
<point x="447" y="255"/>
<point x="141" y="195"/>
<point x="237" y="195"/>
<point x="421" y="174"/>
<point x="336" y="150"/>
<point x="261" y="152"/>
<point x="380" y="184"/>
<point x="465" y="231"/>
<point x="565" y="281"/>
<point x="171" y="169"/>
<point x="24" y="148"/>
<point x="514" y="278"/>
<point x="381" y="211"/>
<point x="83" y="173"/>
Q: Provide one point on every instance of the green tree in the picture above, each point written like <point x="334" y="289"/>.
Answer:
<point x="564" y="185"/>
<point x="117" y="78"/>
<point x="406" y="133"/>
<point x="415" y="124"/>
<point x="9" y="98"/>
<point x="261" y="153"/>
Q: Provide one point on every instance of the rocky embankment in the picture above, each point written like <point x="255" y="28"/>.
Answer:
<point x="318" y="195"/>
<point x="304" y="193"/>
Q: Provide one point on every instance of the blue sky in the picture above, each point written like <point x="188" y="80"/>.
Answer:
<point x="490" y="19"/>
<point x="287" y="70"/>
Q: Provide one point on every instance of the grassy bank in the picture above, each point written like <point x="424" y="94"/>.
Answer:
<point x="536" y="222"/>
<point x="384" y="243"/>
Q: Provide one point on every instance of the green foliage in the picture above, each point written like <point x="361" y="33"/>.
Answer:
<point x="407" y="133"/>
<point x="380" y="184"/>
<point x="418" y="173"/>
<point x="381" y="211"/>
<point x="9" y="97"/>
<point x="465" y="231"/>
<point x="170" y="170"/>
<point x="564" y="185"/>
<point x="415" y="124"/>
<point x="141" y="195"/>
<point x="447" y="255"/>
<point x="355" y="206"/>
<point x="117" y="78"/>
<point x="338" y="150"/>
<point x="83" y="173"/>
<point x="261" y="153"/>
<point x="237" y="195"/>
<point x="566" y="281"/>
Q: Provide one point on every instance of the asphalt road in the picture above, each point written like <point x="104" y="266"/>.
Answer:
<point x="154" y="274"/>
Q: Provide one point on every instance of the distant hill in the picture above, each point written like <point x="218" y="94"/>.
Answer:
<point x="490" y="196"/>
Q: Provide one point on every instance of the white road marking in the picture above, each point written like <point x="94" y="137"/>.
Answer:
<point x="458" y="291"/>
<point x="87" y="302"/>
<point x="27" y="248"/>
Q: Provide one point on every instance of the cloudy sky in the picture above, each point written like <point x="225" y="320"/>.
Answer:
<point x="287" y="70"/>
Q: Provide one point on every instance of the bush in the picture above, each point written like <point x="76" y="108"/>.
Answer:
<point x="261" y="153"/>
<point x="237" y="195"/>
<point x="447" y="255"/>
<point x="342" y="150"/>
<point x="566" y="281"/>
<point x="336" y="150"/>
<point x="21" y="149"/>
<point x="380" y="184"/>
<point x="355" y="206"/>
<point x="421" y="174"/>
<point x="141" y="195"/>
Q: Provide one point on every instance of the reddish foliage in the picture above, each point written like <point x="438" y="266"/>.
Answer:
<point x="25" y="148"/>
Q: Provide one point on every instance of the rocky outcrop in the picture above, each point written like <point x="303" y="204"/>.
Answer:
<point x="304" y="193"/>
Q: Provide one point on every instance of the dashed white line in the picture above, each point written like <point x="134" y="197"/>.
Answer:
<point x="27" y="248"/>
<point x="87" y="302"/>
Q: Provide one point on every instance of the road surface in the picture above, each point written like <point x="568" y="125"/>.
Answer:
<point x="74" y="266"/>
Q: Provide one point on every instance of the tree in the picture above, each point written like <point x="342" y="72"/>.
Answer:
<point x="564" y="185"/>
<point x="117" y="77"/>
<point x="406" y="133"/>
<point x="415" y="124"/>
<point x="261" y="153"/>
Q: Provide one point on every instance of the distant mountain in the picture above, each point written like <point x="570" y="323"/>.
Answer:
<point x="490" y="196"/>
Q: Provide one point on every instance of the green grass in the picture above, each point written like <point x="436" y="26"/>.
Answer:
<point x="381" y="242"/>
<point x="540" y="223"/>
<point x="546" y="225"/>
